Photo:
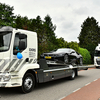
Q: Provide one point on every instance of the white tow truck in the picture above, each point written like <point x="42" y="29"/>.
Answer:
<point x="18" y="61"/>
<point x="97" y="56"/>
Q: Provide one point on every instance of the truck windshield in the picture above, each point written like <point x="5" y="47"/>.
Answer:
<point x="5" y="38"/>
<point x="97" y="53"/>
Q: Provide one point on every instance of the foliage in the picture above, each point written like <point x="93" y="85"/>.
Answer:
<point x="6" y="15"/>
<point x="73" y="45"/>
<point x="21" y="22"/>
<point x="61" y="43"/>
<point x="49" y="28"/>
<point x="89" y="32"/>
<point x="86" y="55"/>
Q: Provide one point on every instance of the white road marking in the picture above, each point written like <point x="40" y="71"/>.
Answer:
<point x="87" y="84"/>
<point x="77" y="89"/>
<point x="95" y="79"/>
<point x="62" y="98"/>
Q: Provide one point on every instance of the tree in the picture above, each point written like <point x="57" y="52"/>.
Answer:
<point x="89" y="32"/>
<point x="22" y="22"/>
<point x="49" y="29"/>
<point x="73" y="45"/>
<point x="89" y="36"/>
<point x="47" y="38"/>
<point x="6" y="15"/>
<point x="61" y="43"/>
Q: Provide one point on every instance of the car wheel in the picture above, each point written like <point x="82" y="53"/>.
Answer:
<point x="28" y="83"/>
<point x="72" y="75"/>
<point x="66" y="58"/>
<point x="81" y="61"/>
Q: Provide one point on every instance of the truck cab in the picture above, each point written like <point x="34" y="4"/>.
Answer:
<point x="18" y="54"/>
<point x="97" y="56"/>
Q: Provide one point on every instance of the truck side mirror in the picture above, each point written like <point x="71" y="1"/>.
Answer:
<point x="21" y="45"/>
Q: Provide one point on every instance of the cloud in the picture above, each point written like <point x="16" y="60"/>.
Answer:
<point x="81" y="11"/>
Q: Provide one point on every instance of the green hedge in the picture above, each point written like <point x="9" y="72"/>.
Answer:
<point x="86" y="55"/>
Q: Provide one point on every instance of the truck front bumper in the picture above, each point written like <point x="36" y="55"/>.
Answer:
<point x="7" y="80"/>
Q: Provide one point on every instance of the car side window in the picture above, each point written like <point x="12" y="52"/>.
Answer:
<point x="72" y="52"/>
<point x="17" y="42"/>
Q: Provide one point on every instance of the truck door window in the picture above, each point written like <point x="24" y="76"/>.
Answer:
<point x="17" y="42"/>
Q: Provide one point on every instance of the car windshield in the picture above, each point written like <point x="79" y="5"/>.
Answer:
<point x="5" y="38"/>
<point x="97" y="53"/>
<point x="62" y="50"/>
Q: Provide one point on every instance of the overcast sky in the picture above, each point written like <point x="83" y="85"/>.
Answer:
<point x="67" y="15"/>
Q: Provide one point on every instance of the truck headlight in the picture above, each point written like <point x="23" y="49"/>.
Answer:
<point x="5" y="76"/>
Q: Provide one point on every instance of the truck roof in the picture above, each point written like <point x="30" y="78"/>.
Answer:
<point x="9" y="29"/>
<point x="6" y="28"/>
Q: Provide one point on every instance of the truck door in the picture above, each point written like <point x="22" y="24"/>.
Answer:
<point x="20" y="51"/>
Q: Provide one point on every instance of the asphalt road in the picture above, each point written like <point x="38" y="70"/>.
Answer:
<point x="54" y="90"/>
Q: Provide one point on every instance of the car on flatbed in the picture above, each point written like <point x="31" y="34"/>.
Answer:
<point x="63" y="56"/>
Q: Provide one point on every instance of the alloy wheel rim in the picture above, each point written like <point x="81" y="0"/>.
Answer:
<point x="73" y="74"/>
<point x="28" y="83"/>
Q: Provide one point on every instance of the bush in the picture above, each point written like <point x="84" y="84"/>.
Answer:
<point x="86" y="55"/>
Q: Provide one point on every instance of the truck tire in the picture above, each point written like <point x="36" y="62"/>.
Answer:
<point x="72" y="75"/>
<point x="28" y="83"/>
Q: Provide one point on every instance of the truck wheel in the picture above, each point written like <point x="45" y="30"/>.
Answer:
<point x="28" y="83"/>
<point x="66" y="58"/>
<point x="72" y="75"/>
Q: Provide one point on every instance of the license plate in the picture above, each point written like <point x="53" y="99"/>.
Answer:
<point x="47" y="57"/>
